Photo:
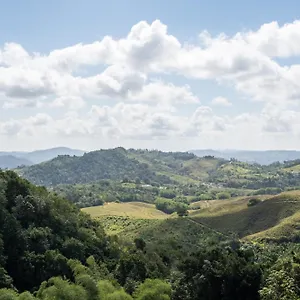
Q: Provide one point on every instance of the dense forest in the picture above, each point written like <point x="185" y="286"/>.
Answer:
<point x="52" y="250"/>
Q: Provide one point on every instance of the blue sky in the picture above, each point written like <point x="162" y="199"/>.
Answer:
<point x="174" y="75"/>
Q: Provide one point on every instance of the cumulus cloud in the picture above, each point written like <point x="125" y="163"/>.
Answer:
<point x="161" y="92"/>
<point x="221" y="101"/>
<point x="140" y="102"/>
<point x="243" y="59"/>
<point x="71" y="102"/>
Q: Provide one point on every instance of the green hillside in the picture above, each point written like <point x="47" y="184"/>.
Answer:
<point x="236" y="217"/>
<point x="161" y="168"/>
<point x="113" y="164"/>
<point x="129" y="209"/>
<point x="51" y="250"/>
<point x="175" y="236"/>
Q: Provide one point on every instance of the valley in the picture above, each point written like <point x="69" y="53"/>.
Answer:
<point x="129" y="219"/>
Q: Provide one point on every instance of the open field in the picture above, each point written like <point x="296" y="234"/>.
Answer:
<point x="275" y="218"/>
<point x="137" y="210"/>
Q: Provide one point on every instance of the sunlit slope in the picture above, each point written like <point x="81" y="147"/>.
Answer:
<point x="175" y="236"/>
<point x="236" y="217"/>
<point x="137" y="210"/>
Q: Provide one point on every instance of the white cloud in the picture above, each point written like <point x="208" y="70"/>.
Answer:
<point x="276" y="41"/>
<point x="141" y="103"/>
<point x="71" y="102"/>
<point x="161" y="92"/>
<point x="221" y="101"/>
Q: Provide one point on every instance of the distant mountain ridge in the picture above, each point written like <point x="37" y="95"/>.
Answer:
<point x="10" y="161"/>
<point x="14" y="159"/>
<point x="265" y="157"/>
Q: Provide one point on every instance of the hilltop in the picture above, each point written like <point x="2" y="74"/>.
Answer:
<point x="161" y="168"/>
<point x="119" y="164"/>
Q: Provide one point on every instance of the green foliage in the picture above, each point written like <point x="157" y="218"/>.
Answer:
<point x="58" y="289"/>
<point x="218" y="273"/>
<point x="223" y="195"/>
<point x="50" y="248"/>
<point x="39" y="232"/>
<point x="113" y="164"/>
<point x="253" y="201"/>
<point x="169" y="194"/>
<point x="279" y="286"/>
<point x="206" y="196"/>
<point x="171" y="206"/>
<point x="8" y="294"/>
<point x="153" y="289"/>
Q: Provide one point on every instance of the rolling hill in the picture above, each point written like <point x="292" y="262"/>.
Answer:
<point x="161" y="168"/>
<point x="115" y="164"/>
<point x="275" y="217"/>
<point x="138" y="210"/>
<point x="120" y="164"/>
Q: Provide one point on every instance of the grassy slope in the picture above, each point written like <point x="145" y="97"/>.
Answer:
<point x="295" y="168"/>
<point x="236" y="217"/>
<point x="199" y="168"/>
<point x="288" y="228"/>
<point x="174" y="235"/>
<point x="137" y="210"/>
<point x="276" y="218"/>
<point x="161" y="232"/>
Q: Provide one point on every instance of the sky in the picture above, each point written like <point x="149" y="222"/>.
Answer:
<point x="170" y="75"/>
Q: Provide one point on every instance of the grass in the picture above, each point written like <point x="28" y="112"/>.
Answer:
<point x="178" y="178"/>
<point x="234" y="216"/>
<point x="235" y="169"/>
<point x="137" y="210"/>
<point x="200" y="167"/>
<point x="275" y="218"/>
<point x="175" y="236"/>
<point x="288" y="229"/>
<point x="129" y="227"/>
<point x="295" y="168"/>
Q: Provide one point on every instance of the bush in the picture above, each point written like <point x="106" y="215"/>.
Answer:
<point x="170" y="206"/>
<point x="253" y="201"/>
<point x="169" y="194"/>
<point x="206" y="196"/>
<point x="223" y="195"/>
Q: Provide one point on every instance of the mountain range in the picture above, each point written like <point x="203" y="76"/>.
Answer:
<point x="14" y="159"/>
<point x="261" y="157"/>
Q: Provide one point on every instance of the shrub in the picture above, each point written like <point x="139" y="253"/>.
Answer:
<point x="223" y="195"/>
<point x="206" y="196"/>
<point x="253" y="201"/>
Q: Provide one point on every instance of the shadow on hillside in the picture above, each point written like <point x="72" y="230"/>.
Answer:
<point x="252" y="219"/>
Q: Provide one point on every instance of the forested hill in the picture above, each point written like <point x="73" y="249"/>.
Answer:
<point x="39" y="232"/>
<point x="115" y="164"/>
<point x="50" y="250"/>
<point x="157" y="167"/>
